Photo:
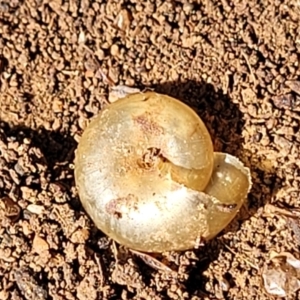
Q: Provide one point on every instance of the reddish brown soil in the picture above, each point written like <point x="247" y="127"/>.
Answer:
<point x="236" y="62"/>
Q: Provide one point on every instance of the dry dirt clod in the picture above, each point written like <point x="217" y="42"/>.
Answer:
<point x="39" y="245"/>
<point x="10" y="208"/>
<point x="294" y="85"/>
<point x="114" y="50"/>
<point x="287" y="101"/>
<point x="28" y="286"/>
<point x="80" y="236"/>
<point x="123" y="20"/>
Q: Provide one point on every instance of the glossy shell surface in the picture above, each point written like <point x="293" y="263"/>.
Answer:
<point x="147" y="175"/>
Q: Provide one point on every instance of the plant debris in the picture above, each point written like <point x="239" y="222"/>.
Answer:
<point x="282" y="275"/>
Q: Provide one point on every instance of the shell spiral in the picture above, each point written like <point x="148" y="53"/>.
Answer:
<point x="148" y="177"/>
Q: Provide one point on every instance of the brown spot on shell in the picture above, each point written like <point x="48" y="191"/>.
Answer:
<point x="117" y="207"/>
<point x="148" y="125"/>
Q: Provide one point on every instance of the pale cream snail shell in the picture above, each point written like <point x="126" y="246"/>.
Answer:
<point x="147" y="175"/>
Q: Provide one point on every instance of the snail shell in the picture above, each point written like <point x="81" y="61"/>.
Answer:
<point x="147" y="175"/>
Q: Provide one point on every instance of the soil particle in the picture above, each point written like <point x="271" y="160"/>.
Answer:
<point x="28" y="286"/>
<point x="39" y="245"/>
<point x="236" y="63"/>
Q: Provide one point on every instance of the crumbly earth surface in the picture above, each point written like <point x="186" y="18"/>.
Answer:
<point x="235" y="62"/>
